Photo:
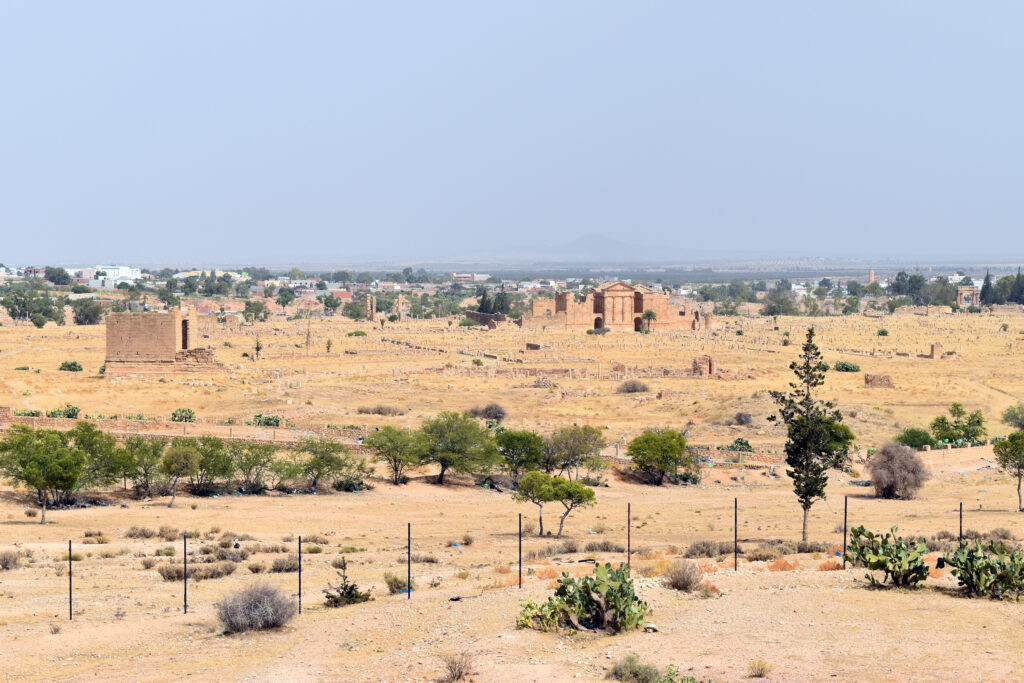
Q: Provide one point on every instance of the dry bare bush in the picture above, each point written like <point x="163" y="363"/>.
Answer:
<point x="683" y="576"/>
<point x="387" y="411"/>
<point x="148" y="562"/>
<point x="285" y="564"/>
<point x="897" y="471"/>
<point x="457" y="666"/>
<point x="604" y="546"/>
<point x="632" y="386"/>
<point x="140" y="532"/>
<point x="257" y="567"/>
<point x="9" y="560"/>
<point x="255" y="608"/>
<point x="762" y="553"/>
<point x="702" y="549"/>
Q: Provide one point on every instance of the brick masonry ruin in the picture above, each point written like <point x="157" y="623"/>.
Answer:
<point x="616" y="306"/>
<point x="154" y="343"/>
<point x="878" y="381"/>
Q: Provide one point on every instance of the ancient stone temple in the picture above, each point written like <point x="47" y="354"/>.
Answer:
<point x="148" y="343"/>
<point x="615" y="306"/>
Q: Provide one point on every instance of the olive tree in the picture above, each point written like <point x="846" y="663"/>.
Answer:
<point x="181" y="460"/>
<point x="399" y="449"/>
<point x="660" y="453"/>
<point x="43" y="460"/>
<point x="1010" y="457"/>
<point x="457" y="442"/>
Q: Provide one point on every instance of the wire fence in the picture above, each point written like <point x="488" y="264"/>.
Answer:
<point x="408" y="589"/>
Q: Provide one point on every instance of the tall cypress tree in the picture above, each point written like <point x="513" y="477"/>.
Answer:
<point x="987" y="293"/>
<point x="816" y="437"/>
<point x="1017" y="293"/>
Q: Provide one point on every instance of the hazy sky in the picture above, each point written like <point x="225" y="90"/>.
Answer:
<point x="338" y="131"/>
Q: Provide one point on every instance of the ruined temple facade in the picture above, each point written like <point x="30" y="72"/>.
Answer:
<point x="148" y="343"/>
<point x="968" y="295"/>
<point x="616" y="306"/>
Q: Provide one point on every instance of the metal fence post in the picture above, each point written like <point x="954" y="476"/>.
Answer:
<point x="184" y="545"/>
<point x="846" y="507"/>
<point x="735" y="533"/>
<point x="961" y="521"/>
<point x="408" y="563"/>
<point x="520" y="549"/>
<point x="300" y="574"/>
<point x="70" y="598"/>
<point x="629" y="536"/>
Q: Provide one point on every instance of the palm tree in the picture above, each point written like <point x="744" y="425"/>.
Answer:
<point x="649" y="317"/>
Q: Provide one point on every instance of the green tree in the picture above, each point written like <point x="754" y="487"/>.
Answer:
<point x="42" y="460"/>
<point x="962" y="430"/>
<point x="399" y="449"/>
<point x="535" y="487"/>
<point x="330" y="302"/>
<point x="215" y="463"/>
<point x="1014" y="416"/>
<point x="180" y="460"/>
<point x="146" y="456"/>
<point x="520" y="450"/>
<point x="285" y="297"/>
<point x="572" y="495"/>
<point x="251" y="461"/>
<point x="660" y="453"/>
<point x="86" y="312"/>
<point x="103" y="463"/>
<point x="816" y="438"/>
<point x="1010" y="457"/>
<point x="57" y="276"/>
<point x="649" y="317"/>
<point x="255" y="310"/>
<point x="574" y="446"/>
<point x="324" y="459"/>
<point x="457" y="442"/>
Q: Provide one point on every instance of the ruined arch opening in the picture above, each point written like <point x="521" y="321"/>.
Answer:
<point x="598" y="323"/>
<point x="638" y="324"/>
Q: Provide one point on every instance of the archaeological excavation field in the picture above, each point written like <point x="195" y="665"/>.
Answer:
<point x="793" y="609"/>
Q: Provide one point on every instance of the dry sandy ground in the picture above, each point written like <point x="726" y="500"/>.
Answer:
<point x="321" y="388"/>
<point x="807" y="624"/>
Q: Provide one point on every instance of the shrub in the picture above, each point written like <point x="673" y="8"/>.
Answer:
<point x="255" y="608"/>
<point x="761" y="554"/>
<point x="387" y="411"/>
<point x="261" y="420"/>
<point x="902" y="564"/>
<point x="883" y="332"/>
<point x="811" y="547"/>
<point x="140" y="532"/>
<point x="285" y="564"/>
<point x="632" y="386"/>
<point x="70" y="366"/>
<point x="31" y="512"/>
<point x="166" y="552"/>
<point x="183" y="415"/>
<point x="148" y="562"/>
<point x="491" y="411"/>
<point x="395" y="583"/>
<point x="346" y="592"/>
<point x="683" y="576"/>
<point x="9" y="560"/>
<point x="257" y="567"/>
<point x="171" y="572"/>
<point x="598" y="332"/>
<point x="991" y="570"/>
<point x="68" y="411"/>
<point x="846" y="366"/>
<point x="604" y="546"/>
<point x="897" y="471"/>
<point x="356" y="333"/>
<point x="781" y="564"/>
<point x="830" y="566"/>
<point x="467" y="322"/>
<point x="702" y="549"/>
<point x="419" y="557"/>
<point x="467" y="539"/>
<point x="477" y="362"/>
<point x="630" y="669"/>
<point x="758" y="668"/>
<point x="457" y="666"/>
<point x="915" y="437"/>
<point x="604" y="601"/>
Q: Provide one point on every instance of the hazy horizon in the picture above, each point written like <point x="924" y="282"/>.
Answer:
<point x="327" y="132"/>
